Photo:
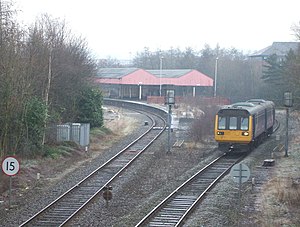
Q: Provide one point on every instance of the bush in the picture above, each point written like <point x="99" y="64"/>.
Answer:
<point x="34" y="125"/>
<point x="204" y="125"/>
<point x="90" y="107"/>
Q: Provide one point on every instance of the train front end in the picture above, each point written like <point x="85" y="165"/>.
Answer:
<point x="233" y="128"/>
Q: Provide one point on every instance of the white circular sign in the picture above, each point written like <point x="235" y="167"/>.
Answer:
<point x="10" y="166"/>
<point x="240" y="173"/>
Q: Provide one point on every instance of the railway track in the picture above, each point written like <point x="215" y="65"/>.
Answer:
<point x="174" y="209"/>
<point x="64" y="208"/>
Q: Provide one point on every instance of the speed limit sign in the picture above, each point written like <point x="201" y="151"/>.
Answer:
<point x="10" y="166"/>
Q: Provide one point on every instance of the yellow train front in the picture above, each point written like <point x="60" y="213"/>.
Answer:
<point x="244" y="125"/>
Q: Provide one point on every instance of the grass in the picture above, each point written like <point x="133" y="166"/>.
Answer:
<point x="63" y="149"/>
<point x="68" y="148"/>
<point x="281" y="196"/>
<point x="100" y="132"/>
<point x="287" y="191"/>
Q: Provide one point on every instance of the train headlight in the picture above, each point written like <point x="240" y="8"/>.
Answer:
<point x="245" y="133"/>
<point x="220" y="133"/>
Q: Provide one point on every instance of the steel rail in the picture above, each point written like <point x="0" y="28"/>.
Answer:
<point x="107" y="166"/>
<point x="175" y="208"/>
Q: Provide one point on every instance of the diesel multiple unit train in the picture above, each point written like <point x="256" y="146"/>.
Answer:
<point x="243" y="125"/>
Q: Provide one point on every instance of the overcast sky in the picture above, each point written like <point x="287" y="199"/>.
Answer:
<point x="120" y="28"/>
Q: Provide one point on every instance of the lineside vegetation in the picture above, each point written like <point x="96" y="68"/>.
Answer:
<point x="45" y="78"/>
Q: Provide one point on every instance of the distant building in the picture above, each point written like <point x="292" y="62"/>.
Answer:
<point x="136" y="83"/>
<point x="278" y="48"/>
<point x="258" y="61"/>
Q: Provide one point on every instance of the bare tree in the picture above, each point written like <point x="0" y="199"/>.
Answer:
<point x="43" y="67"/>
<point x="296" y="29"/>
<point x="11" y="86"/>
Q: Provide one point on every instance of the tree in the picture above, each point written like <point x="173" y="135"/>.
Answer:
<point x="90" y="107"/>
<point x="296" y="29"/>
<point x="43" y="72"/>
<point x="203" y="125"/>
<point x="291" y="75"/>
<point x="282" y="75"/>
<point x="273" y="70"/>
<point x="109" y="63"/>
<point x="61" y="65"/>
<point x="34" y="122"/>
<point x="12" y="88"/>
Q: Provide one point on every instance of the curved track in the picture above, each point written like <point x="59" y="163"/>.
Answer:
<point x="64" y="208"/>
<point x="173" y="210"/>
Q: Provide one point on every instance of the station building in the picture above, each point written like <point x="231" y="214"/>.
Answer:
<point x="140" y="84"/>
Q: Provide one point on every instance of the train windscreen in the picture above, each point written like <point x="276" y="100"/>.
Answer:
<point x="233" y="120"/>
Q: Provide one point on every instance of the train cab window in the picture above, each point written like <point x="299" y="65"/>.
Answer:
<point x="222" y="123"/>
<point x="244" y="123"/>
<point x="233" y="123"/>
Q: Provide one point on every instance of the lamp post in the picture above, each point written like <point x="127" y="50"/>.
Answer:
<point x="160" y="71"/>
<point x="288" y="102"/>
<point x="169" y="100"/>
<point x="216" y="77"/>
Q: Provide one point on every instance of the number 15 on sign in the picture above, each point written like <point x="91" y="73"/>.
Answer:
<point x="10" y="166"/>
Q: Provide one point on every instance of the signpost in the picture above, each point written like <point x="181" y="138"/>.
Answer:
<point x="288" y="102"/>
<point x="240" y="173"/>
<point x="169" y="100"/>
<point x="10" y="166"/>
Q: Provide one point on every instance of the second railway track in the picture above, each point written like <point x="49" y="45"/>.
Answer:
<point x="173" y="210"/>
<point x="64" y="208"/>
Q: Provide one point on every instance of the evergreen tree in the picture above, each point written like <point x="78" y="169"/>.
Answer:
<point x="273" y="70"/>
<point x="89" y="106"/>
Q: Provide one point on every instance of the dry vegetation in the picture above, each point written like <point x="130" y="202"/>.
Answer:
<point x="116" y="126"/>
<point x="281" y="195"/>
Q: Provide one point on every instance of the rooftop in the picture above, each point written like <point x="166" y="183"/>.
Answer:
<point x="278" y="48"/>
<point x="116" y="73"/>
<point x="169" y="73"/>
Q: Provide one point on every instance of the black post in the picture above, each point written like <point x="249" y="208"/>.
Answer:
<point x="288" y="102"/>
<point x="169" y="100"/>
<point x="287" y="133"/>
<point x="169" y="127"/>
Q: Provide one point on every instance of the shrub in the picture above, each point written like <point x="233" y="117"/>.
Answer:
<point x="204" y="125"/>
<point x="90" y="107"/>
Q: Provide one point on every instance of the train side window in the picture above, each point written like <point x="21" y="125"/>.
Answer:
<point x="233" y="123"/>
<point x="244" y="123"/>
<point x="222" y="123"/>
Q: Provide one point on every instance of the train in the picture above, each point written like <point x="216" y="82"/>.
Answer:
<point x="244" y="125"/>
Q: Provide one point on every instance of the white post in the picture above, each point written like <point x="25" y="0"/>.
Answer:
<point x="140" y="91"/>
